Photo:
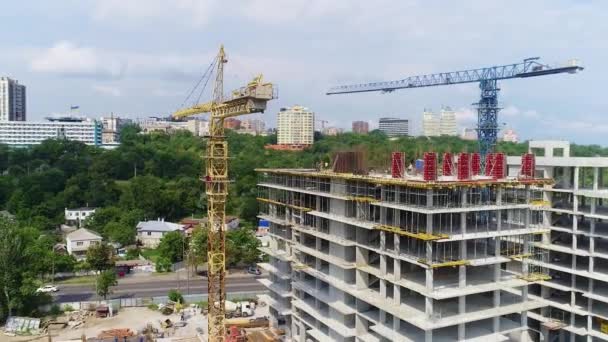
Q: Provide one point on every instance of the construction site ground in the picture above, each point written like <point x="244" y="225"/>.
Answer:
<point x="135" y="319"/>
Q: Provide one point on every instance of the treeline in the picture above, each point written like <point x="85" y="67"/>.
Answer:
<point x="158" y="175"/>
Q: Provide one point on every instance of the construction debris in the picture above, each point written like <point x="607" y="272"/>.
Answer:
<point x="116" y="333"/>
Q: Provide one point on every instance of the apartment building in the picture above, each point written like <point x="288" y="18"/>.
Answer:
<point x="394" y="127"/>
<point x="28" y="133"/>
<point x="295" y="126"/>
<point x="361" y="127"/>
<point x="444" y="124"/>
<point x="576" y="296"/>
<point x="12" y="100"/>
<point x="374" y="258"/>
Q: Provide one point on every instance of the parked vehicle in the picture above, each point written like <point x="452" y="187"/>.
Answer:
<point x="239" y="309"/>
<point x="254" y="270"/>
<point x="47" y="289"/>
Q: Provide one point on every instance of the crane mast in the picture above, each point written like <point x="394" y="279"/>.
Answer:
<point x="249" y="99"/>
<point x="487" y="107"/>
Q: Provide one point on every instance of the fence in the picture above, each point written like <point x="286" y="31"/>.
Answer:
<point x="118" y="303"/>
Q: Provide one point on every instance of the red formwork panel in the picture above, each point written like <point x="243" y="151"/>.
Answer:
<point x="397" y="164"/>
<point x="528" y="165"/>
<point x="448" y="164"/>
<point x="500" y="166"/>
<point x="464" y="166"/>
<point x="489" y="164"/>
<point x="475" y="164"/>
<point x="429" y="170"/>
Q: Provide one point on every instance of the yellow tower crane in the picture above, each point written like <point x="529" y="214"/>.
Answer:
<point x="246" y="100"/>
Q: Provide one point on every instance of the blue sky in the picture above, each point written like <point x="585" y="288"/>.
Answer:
<point x="140" y="58"/>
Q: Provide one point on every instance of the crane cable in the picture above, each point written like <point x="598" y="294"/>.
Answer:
<point x="206" y="75"/>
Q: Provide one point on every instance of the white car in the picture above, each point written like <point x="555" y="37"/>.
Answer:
<point x="47" y="288"/>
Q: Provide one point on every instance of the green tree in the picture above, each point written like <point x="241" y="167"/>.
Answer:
<point x="99" y="257"/>
<point x="18" y="279"/>
<point x="198" y="247"/>
<point x="242" y="247"/>
<point x="105" y="280"/>
<point x="172" y="246"/>
<point x="163" y="264"/>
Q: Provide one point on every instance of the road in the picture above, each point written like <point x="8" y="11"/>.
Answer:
<point x="151" y="286"/>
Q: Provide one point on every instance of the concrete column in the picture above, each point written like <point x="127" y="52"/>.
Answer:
<point x="397" y="269"/>
<point x="595" y="178"/>
<point x="428" y="336"/>
<point x="302" y="332"/>
<point x="428" y="308"/>
<point x="576" y="174"/>
<point x="461" y="332"/>
<point x="383" y="264"/>
<point x="383" y="288"/>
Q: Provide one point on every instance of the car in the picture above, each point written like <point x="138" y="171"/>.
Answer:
<point x="254" y="270"/>
<point x="47" y="288"/>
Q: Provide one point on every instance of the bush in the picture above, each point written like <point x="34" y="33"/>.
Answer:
<point x="68" y="308"/>
<point x="153" y="306"/>
<point x="163" y="265"/>
<point x="175" y="296"/>
<point x="55" y="310"/>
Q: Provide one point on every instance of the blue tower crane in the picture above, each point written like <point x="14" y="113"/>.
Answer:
<point x="487" y="107"/>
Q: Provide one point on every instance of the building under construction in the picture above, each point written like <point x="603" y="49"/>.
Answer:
<point x="430" y="252"/>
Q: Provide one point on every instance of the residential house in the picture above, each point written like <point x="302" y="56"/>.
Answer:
<point x="232" y="222"/>
<point x="149" y="233"/>
<point x="79" y="241"/>
<point x="77" y="216"/>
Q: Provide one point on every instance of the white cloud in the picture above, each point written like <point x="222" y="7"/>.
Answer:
<point x="513" y="112"/>
<point x="466" y="117"/>
<point x="107" y="90"/>
<point x="194" y="13"/>
<point x="67" y="59"/>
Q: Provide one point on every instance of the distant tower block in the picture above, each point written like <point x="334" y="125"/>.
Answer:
<point x="489" y="165"/>
<point x="397" y="164"/>
<point x="475" y="164"/>
<point x="429" y="171"/>
<point x="464" y="166"/>
<point x="500" y="166"/>
<point x="448" y="164"/>
<point x="528" y="165"/>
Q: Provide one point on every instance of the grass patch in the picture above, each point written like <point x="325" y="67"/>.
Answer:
<point x="150" y="254"/>
<point x="90" y="279"/>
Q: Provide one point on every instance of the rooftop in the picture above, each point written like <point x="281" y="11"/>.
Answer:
<point x="83" y="234"/>
<point x="158" y="226"/>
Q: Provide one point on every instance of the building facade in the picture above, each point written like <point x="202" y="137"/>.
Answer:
<point x="361" y="127"/>
<point x="13" y="104"/>
<point x="430" y="124"/>
<point x="394" y="127"/>
<point x="79" y="241"/>
<point x="295" y="126"/>
<point x="447" y="122"/>
<point x="149" y="233"/>
<point x="112" y="126"/>
<point x="510" y="136"/>
<point x="575" y="209"/>
<point x="28" y="133"/>
<point x="77" y="216"/>
<point x="370" y="258"/>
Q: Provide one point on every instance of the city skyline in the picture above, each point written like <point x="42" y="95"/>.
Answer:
<point x="73" y="57"/>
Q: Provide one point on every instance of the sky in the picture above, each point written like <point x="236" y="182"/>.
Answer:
<point x="140" y="58"/>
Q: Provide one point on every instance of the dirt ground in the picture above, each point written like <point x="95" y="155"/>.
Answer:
<point x="133" y="318"/>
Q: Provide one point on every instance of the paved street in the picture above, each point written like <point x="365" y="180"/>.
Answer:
<point x="153" y="286"/>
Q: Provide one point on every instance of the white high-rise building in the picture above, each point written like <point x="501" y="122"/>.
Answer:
<point x="430" y="124"/>
<point x="447" y="122"/>
<point x="12" y="100"/>
<point x="295" y="126"/>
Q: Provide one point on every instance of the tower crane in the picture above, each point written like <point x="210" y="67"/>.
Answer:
<point x="246" y="100"/>
<point x="487" y="107"/>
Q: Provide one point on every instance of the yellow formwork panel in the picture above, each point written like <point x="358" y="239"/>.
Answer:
<point x="453" y="263"/>
<point x="419" y="236"/>
<point x="266" y="200"/>
<point x="420" y="184"/>
<point x="364" y="199"/>
<point x="536" y="276"/>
